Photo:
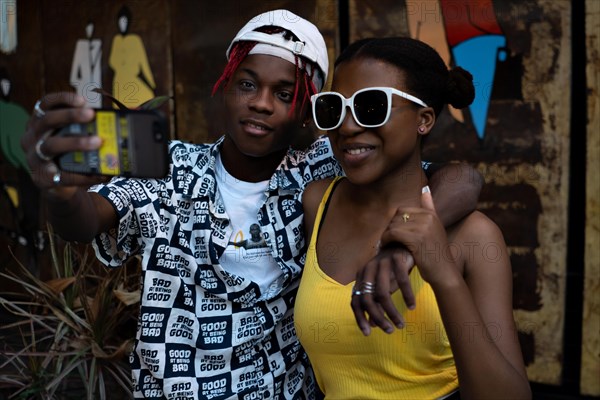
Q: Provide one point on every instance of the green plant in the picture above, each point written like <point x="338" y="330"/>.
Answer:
<point x="75" y="329"/>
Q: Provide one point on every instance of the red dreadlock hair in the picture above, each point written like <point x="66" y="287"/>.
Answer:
<point x="240" y="51"/>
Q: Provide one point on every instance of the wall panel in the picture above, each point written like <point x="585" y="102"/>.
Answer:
<point x="522" y="148"/>
<point x="590" y="346"/>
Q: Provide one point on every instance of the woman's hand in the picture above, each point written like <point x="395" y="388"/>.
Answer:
<point x="388" y="271"/>
<point x="422" y="232"/>
<point x="415" y="236"/>
<point x="41" y="147"/>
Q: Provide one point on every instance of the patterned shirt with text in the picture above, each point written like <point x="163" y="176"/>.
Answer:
<point x="204" y="333"/>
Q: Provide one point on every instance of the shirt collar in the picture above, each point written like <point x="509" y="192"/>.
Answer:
<point x="203" y="180"/>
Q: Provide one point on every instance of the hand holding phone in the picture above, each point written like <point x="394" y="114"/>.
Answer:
<point x="134" y="144"/>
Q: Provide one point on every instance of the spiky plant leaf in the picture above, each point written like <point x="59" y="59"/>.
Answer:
<point x="154" y="103"/>
<point x="59" y="285"/>
<point x="126" y="297"/>
<point x="111" y="97"/>
<point x="72" y="328"/>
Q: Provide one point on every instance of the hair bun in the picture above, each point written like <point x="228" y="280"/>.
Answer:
<point x="460" y="91"/>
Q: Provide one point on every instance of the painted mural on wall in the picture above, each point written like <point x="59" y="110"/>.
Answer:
<point x="68" y="49"/>
<point x="8" y="26"/>
<point x="86" y="69"/>
<point x="13" y="118"/>
<point x="513" y="153"/>
<point x="133" y="82"/>
<point x="465" y="33"/>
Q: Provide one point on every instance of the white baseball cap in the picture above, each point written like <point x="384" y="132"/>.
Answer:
<point x="310" y="45"/>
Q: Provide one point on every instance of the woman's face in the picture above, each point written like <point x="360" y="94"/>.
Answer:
<point x="369" y="154"/>
<point x="257" y="101"/>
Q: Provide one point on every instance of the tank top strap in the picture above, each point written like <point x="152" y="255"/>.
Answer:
<point x="322" y="211"/>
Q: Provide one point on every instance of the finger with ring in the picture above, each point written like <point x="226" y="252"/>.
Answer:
<point x="39" y="152"/>
<point x="358" y="290"/>
<point x="56" y="178"/>
<point x="405" y="217"/>
<point x="367" y="288"/>
<point x="37" y="109"/>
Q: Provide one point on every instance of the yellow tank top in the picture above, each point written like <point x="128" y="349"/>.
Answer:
<point x="415" y="362"/>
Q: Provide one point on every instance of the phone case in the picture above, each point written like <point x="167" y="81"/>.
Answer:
<point x="134" y="145"/>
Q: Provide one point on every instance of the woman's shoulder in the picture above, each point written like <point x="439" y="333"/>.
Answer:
<point x="315" y="190"/>
<point x="311" y="199"/>
<point x="475" y="224"/>
<point x="481" y="241"/>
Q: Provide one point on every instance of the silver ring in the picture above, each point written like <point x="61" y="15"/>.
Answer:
<point x="367" y="288"/>
<point x="37" y="110"/>
<point x="38" y="150"/>
<point x="368" y="285"/>
<point x="56" y="178"/>
<point x="356" y="293"/>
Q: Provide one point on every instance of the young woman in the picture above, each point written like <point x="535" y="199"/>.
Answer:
<point x="213" y="322"/>
<point x="461" y="336"/>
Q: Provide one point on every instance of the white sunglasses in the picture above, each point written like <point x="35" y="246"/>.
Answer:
<point x="371" y="107"/>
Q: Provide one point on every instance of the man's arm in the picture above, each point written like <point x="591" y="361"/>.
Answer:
<point x="76" y="214"/>
<point x="80" y="217"/>
<point x="455" y="188"/>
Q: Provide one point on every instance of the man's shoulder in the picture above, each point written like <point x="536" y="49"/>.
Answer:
<point x="190" y="147"/>
<point x="189" y="153"/>
<point x="320" y="144"/>
<point x="318" y="150"/>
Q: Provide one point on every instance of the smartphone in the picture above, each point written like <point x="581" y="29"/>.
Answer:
<point x="134" y="144"/>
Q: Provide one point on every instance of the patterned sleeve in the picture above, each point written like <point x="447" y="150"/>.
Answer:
<point x="318" y="162"/>
<point x="130" y="198"/>
<point x="137" y="204"/>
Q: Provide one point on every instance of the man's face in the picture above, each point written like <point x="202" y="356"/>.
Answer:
<point x="258" y="100"/>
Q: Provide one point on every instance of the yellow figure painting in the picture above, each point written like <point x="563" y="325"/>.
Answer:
<point x="133" y="82"/>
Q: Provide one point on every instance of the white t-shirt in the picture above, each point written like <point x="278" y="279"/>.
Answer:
<point x="247" y="255"/>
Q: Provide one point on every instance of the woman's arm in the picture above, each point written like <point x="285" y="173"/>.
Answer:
<point x="473" y="290"/>
<point x="477" y="312"/>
